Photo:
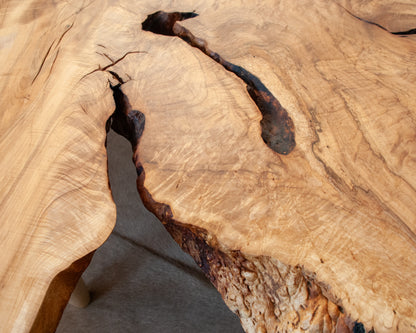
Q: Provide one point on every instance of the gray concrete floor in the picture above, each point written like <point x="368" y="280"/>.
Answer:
<point x="140" y="280"/>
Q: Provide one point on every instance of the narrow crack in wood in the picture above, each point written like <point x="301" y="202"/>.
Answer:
<point x="278" y="130"/>
<point x="49" y="51"/>
<point x="42" y="63"/>
<point x="63" y="34"/>
<point x="400" y="33"/>
<point x="113" y="63"/>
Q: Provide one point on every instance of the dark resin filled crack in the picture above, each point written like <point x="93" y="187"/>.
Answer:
<point x="277" y="127"/>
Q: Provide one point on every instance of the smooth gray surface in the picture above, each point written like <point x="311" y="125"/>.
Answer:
<point x="140" y="280"/>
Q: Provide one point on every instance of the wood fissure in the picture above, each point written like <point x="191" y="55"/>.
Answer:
<point x="400" y="33"/>
<point x="278" y="131"/>
<point x="113" y="63"/>
<point x="43" y="62"/>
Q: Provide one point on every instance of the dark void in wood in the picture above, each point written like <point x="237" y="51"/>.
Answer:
<point x="277" y="127"/>
<point x="125" y="121"/>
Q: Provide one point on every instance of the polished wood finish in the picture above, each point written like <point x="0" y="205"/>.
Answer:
<point x="318" y="237"/>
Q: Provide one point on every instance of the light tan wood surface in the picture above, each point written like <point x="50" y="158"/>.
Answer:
<point x="55" y="202"/>
<point x="395" y="16"/>
<point x="335" y="217"/>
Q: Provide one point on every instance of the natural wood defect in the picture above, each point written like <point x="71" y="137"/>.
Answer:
<point x="312" y="231"/>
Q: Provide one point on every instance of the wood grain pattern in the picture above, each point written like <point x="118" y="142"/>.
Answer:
<point x="55" y="202"/>
<point x="394" y="16"/>
<point x="337" y="211"/>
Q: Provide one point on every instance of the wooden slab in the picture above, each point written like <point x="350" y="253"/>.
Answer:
<point x="337" y="213"/>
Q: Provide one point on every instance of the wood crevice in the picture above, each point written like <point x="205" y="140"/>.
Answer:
<point x="112" y="64"/>
<point x="399" y="33"/>
<point x="278" y="130"/>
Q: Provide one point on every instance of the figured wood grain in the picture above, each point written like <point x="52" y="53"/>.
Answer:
<point x="328" y="227"/>
<point x="55" y="202"/>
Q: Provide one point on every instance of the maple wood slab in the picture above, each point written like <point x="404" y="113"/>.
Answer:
<point x="319" y="236"/>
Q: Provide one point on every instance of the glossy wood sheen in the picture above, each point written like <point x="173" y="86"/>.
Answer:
<point x="341" y="205"/>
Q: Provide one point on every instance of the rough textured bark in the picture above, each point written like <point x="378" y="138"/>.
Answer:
<point x="316" y="236"/>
